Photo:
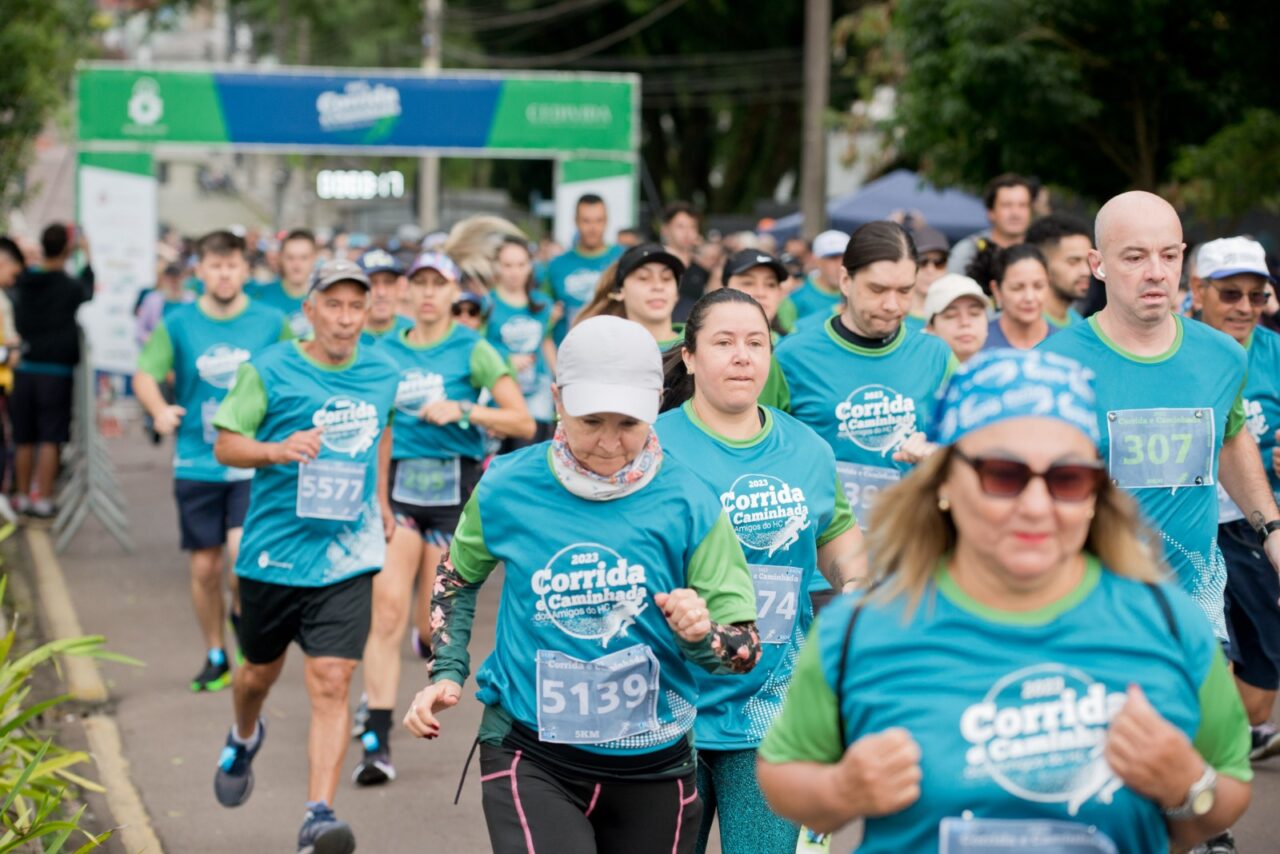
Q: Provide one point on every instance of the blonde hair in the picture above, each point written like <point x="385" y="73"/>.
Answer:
<point x="908" y="534"/>
<point x="605" y="300"/>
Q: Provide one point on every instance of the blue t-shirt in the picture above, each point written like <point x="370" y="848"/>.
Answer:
<point x="274" y="295"/>
<point x="996" y="338"/>
<point x="1261" y="399"/>
<point x="204" y="354"/>
<point x="811" y="298"/>
<point x="571" y="278"/>
<point x="782" y="498"/>
<point x="1163" y="420"/>
<point x="368" y="337"/>
<point x="1011" y="710"/>
<point x="1073" y="317"/>
<point x="520" y="331"/>
<point x="317" y="524"/>
<point x="457" y="367"/>
<point x="864" y="403"/>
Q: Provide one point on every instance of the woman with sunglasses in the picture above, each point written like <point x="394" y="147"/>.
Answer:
<point x="437" y="448"/>
<point x="468" y="310"/>
<point x="621" y="578"/>
<point x="643" y="285"/>
<point x="776" y="480"/>
<point x="518" y="325"/>
<point x="1019" y="279"/>
<point x="1019" y="672"/>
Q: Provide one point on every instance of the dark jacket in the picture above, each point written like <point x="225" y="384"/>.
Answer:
<point x="44" y="312"/>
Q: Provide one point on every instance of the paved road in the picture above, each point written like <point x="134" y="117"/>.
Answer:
<point x="172" y="737"/>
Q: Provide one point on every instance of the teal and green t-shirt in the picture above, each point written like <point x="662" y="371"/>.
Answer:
<point x="1163" y="420"/>
<point x="1073" y="317"/>
<point x="581" y="648"/>
<point x="521" y="331"/>
<point x="274" y="295"/>
<point x="813" y="298"/>
<point x="369" y="337"/>
<point x="571" y="279"/>
<point x="784" y="502"/>
<point x="316" y="524"/>
<point x="1261" y="401"/>
<point x="1010" y="710"/>
<point x="458" y="367"/>
<point x="204" y="353"/>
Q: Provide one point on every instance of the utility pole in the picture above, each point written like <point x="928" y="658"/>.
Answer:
<point x="429" y="168"/>
<point x="817" y="84"/>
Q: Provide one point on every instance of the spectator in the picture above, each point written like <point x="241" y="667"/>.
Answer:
<point x="12" y="263"/>
<point x="1008" y="199"/>
<point x="45" y="315"/>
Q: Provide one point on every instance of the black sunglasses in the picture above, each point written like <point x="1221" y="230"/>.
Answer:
<point x="1005" y="478"/>
<point x="1231" y="296"/>
<point x="469" y="309"/>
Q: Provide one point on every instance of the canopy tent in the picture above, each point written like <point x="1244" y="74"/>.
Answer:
<point x="955" y="213"/>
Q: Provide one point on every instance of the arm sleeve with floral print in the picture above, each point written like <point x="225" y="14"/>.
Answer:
<point x="718" y="572"/>
<point x="462" y="571"/>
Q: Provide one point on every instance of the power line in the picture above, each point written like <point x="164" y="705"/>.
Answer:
<point x="481" y="23"/>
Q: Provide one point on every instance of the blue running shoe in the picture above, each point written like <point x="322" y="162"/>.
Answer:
<point x="323" y="833"/>
<point x="234" y="781"/>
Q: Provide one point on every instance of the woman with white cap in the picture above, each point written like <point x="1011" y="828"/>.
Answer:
<point x="955" y="310"/>
<point x="434" y="464"/>
<point x="643" y="285"/>
<point x="622" y="575"/>
<point x="1020" y="673"/>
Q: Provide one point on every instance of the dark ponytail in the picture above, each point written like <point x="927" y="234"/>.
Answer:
<point x="879" y="241"/>
<point x="678" y="384"/>
<point x="992" y="262"/>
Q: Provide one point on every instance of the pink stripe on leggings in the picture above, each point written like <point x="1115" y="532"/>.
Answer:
<point x="675" y="847"/>
<point x="515" y="796"/>
<point x="591" y="806"/>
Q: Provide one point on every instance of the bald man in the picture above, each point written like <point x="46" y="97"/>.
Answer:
<point x="1169" y="403"/>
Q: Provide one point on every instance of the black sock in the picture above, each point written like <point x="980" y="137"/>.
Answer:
<point x="379" y="724"/>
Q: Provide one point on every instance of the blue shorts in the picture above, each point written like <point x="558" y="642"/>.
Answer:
<point x="207" y="510"/>
<point x="1253" y="615"/>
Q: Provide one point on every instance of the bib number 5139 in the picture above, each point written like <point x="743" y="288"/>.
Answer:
<point x="589" y="702"/>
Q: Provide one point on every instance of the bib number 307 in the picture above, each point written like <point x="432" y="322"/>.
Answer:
<point x="590" y="702"/>
<point x="1161" y="448"/>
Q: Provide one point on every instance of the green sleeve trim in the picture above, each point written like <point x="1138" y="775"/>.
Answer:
<point x="487" y="366"/>
<point x="286" y="331"/>
<point x="808" y="727"/>
<point x="156" y="358"/>
<point x="718" y="572"/>
<point x="470" y="555"/>
<point x="1235" y="416"/>
<point x="1223" y="737"/>
<point x="842" y="520"/>
<point x="776" y="392"/>
<point x="245" y="406"/>
<point x="953" y="365"/>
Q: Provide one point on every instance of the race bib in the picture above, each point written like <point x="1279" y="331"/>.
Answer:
<point x="589" y="702"/>
<point x="985" y="835"/>
<point x="330" y="489"/>
<point x="428" y="482"/>
<point x="861" y="484"/>
<point x="208" y="409"/>
<point x="1160" y="448"/>
<point x="777" y="598"/>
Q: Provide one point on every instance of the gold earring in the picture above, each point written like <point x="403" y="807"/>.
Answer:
<point x="944" y="504"/>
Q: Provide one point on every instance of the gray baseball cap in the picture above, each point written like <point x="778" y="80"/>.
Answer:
<point x="607" y="364"/>
<point x="338" y="270"/>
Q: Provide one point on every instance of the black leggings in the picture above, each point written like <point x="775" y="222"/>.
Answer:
<point x="529" y="809"/>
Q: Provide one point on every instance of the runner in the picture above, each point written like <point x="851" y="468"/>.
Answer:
<point x="571" y="278"/>
<point x="1008" y="199"/>
<point x="933" y="248"/>
<point x="1065" y="243"/>
<point x="519" y="327"/>
<point x="1230" y="296"/>
<point x="1018" y="279"/>
<point x="1003" y="683"/>
<point x="956" y="311"/>
<point x="761" y="275"/>
<point x="386" y="290"/>
<point x="621" y="575"/>
<point x="468" y="310"/>
<point x="643" y="288"/>
<point x="820" y="294"/>
<point x="434" y="464"/>
<point x="1169" y="402"/>
<point x="776" y="480"/>
<point x="298" y="253"/>
<point x="860" y="380"/>
<point x="203" y="344"/>
<point x="312" y="417"/>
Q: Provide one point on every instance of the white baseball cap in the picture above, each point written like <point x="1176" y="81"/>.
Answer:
<point x="830" y="243"/>
<point x="607" y="364"/>
<point x="1230" y="256"/>
<point x="949" y="288"/>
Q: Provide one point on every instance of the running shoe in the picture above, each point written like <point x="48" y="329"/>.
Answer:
<point x="812" y="842"/>
<point x="1223" y="843"/>
<point x="42" y="508"/>
<point x="375" y="767"/>
<point x="1266" y="742"/>
<point x="233" y="782"/>
<point x="214" y="675"/>
<point x="323" y="833"/>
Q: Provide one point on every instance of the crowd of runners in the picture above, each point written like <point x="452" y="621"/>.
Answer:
<point x="974" y="543"/>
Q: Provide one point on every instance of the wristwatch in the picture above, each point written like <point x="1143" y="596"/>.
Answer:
<point x="465" y="421"/>
<point x="1267" y="527"/>
<point x="1200" y="798"/>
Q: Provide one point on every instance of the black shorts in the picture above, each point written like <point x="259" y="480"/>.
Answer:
<point x="1253" y="615"/>
<point x="40" y="408"/>
<point x="435" y="524"/>
<point x="206" y="511"/>
<point x="330" y="621"/>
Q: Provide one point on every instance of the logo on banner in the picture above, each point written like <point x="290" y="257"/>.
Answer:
<point x="1039" y="734"/>
<point x="146" y="106"/>
<point x="218" y="365"/>
<point x="767" y="513"/>
<point x="350" y="426"/>
<point x="589" y="591"/>
<point x="569" y="115"/>
<point x="876" y="417"/>
<point x="357" y="105"/>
